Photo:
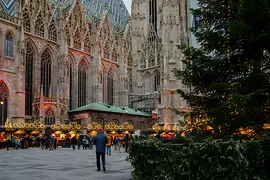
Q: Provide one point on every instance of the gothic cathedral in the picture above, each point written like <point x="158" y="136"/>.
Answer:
<point x="54" y="59"/>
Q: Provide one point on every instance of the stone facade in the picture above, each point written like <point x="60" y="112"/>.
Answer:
<point x="158" y="30"/>
<point x="61" y="60"/>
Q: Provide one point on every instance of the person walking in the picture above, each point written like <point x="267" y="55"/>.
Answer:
<point x="84" y="142"/>
<point x="90" y="142"/>
<point x="126" y="142"/>
<point x="100" y="140"/>
<point x="119" y="144"/>
<point x="8" y="143"/>
<point x="74" y="142"/>
<point x="52" y="140"/>
<point x="108" y="146"/>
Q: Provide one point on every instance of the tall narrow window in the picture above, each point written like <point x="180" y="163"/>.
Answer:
<point x="3" y="103"/>
<point x="153" y="13"/>
<point x="82" y="71"/>
<point x="110" y="88"/>
<point x="77" y="40"/>
<point x="39" y="26"/>
<point x="69" y="74"/>
<point x="156" y="81"/>
<point x="26" y="21"/>
<point x="9" y="45"/>
<point x="46" y="72"/>
<point x="52" y="32"/>
<point x="29" y="79"/>
<point x="49" y="117"/>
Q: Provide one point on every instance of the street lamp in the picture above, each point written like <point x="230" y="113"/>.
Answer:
<point x="2" y="120"/>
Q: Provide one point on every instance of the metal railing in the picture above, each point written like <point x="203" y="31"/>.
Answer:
<point x="8" y="17"/>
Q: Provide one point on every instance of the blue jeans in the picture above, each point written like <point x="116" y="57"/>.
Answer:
<point x="73" y="146"/>
<point x="90" y="146"/>
<point x="108" y="150"/>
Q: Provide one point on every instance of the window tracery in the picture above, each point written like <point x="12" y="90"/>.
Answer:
<point x="9" y="45"/>
<point x="26" y="21"/>
<point x="4" y="94"/>
<point x="82" y="79"/>
<point x="106" y="50"/>
<point x="143" y="63"/>
<point x="52" y="32"/>
<point x="39" y="26"/>
<point x="87" y="44"/>
<point x="77" y="39"/>
<point x="46" y="72"/>
<point x="29" y="79"/>
<point x="151" y="59"/>
<point x="49" y="117"/>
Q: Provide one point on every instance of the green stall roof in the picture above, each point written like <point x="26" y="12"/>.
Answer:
<point x="111" y="109"/>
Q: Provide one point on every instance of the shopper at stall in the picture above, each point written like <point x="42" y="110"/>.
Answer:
<point x="108" y="145"/>
<point x="100" y="140"/>
<point x="52" y="141"/>
<point x="8" y="143"/>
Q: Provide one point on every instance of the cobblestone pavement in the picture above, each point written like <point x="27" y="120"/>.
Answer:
<point x="60" y="164"/>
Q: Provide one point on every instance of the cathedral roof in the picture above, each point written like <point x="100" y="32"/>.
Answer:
<point x="90" y="11"/>
<point x="108" y="108"/>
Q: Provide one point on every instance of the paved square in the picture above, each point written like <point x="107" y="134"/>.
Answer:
<point x="61" y="164"/>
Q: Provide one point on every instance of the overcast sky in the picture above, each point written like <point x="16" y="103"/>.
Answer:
<point x="128" y="5"/>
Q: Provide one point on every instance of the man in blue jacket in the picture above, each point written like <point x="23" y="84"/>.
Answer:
<point x="100" y="140"/>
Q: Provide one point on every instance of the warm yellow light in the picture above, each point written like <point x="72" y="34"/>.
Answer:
<point x="1" y="102"/>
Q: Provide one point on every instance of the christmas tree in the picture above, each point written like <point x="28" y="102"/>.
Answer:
<point x="228" y="75"/>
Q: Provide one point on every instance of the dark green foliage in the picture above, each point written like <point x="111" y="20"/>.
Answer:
<point x="229" y="75"/>
<point x="209" y="160"/>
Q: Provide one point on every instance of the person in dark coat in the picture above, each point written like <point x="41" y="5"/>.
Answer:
<point x="100" y="140"/>
<point x="74" y="142"/>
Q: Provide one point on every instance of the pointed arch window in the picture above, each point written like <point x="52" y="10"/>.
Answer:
<point x="110" y="88"/>
<point x="87" y="44"/>
<point x="26" y="21"/>
<point x="3" y="103"/>
<point x="39" y="26"/>
<point x="46" y="63"/>
<point x="9" y="45"/>
<point x="29" y="79"/>
<point x="82" y="71"/>
<point x="156" y="80"/>
<point x="77" y="40"/>
<point x="52" y="32"/>
<point x="49" y="117"/>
